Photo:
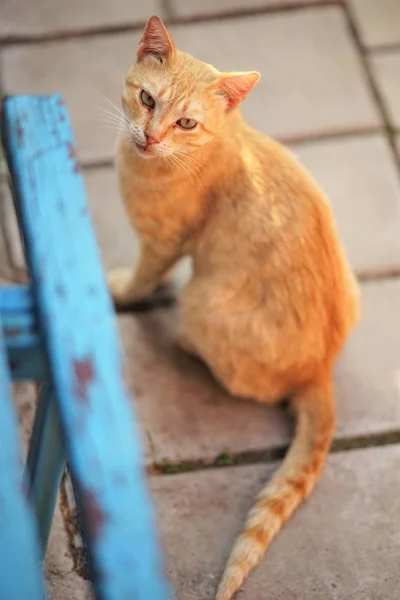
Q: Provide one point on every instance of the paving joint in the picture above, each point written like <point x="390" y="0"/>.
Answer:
<point x="70" y="514"/>
<point x="378" y="275"/>
<point x="373" y="86"/>
<point x="383" y="48"/>
<point x="268" y="455"/>
<point x="168" y="9"/>
<point x="86" y="32"/>
<point x="320" y="136"/>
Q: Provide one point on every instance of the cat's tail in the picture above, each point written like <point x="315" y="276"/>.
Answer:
<point x="292" y="483"/>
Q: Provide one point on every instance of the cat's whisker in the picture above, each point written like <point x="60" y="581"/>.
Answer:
<point x="116" y="122"/>
<point x="175" y="162"/>
<point x="168" y="161"/>
<point x="116" y="117"/>
<point x="180" y="163"/>
<point x="116" y="126"/>
<point x="114" y="106"/>
<point x="189" y="168"/>
<point x="192" y="161"/>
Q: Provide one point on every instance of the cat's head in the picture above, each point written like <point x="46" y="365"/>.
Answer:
<point x="173" y="102"/>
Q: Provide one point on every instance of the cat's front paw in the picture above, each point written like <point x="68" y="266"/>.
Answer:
<point x="120" y="283"/>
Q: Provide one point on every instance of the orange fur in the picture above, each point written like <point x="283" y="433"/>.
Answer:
<point x="272" y="298"/>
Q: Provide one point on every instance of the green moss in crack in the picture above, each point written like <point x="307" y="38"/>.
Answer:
<point x="225" y="459"/>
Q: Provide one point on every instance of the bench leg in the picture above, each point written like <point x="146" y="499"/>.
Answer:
<point x="45" y="462"/>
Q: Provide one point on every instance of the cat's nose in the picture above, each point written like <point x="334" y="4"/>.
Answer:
<point x="150" y="139"/>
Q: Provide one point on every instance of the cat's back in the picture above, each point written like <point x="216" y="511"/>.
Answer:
<point x="265" y="188"/>
<point x="284" y="222"/>
<point x="279" y="171"/>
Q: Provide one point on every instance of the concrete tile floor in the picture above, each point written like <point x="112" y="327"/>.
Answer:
<point x="330" y="90"/>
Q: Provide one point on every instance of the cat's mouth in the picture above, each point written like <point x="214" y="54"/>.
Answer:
<point x="147" y="151"/>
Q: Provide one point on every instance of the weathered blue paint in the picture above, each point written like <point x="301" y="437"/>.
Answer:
<point x="75" y="314"/>
<point x="45" y="462"/>
<point x="26" y="356"/>
<point x="20" y="561"/>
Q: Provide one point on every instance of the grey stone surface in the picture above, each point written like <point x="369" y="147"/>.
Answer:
<point x="367" y="372"/>
<point x="116" y="238"/>
<point x="310" y="83"/>
<point x="343" y="543"/>
<point x="185" y="415"/>
<point x="378" y="21"/>
<point x="88" y="72"/>
<point x="386" y="68"/>
<point x="360" y="177"/>
<point x="25" y="395"/>
<point x="13" y="252"/>
<point x="62" y="582"/>
<point x="193" y="8"/>
<point x="55" y="16"/>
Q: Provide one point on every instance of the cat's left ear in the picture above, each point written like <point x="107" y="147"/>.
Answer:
<point x="234" y="87"/>
<point x="155" y="40"/>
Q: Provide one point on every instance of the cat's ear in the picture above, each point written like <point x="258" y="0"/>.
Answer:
<point x="155" y="40"/>
<point x="234" y="87"/>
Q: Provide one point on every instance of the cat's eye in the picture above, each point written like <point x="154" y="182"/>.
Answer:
<point x="187" y="123"/>
<point x="147" y="99"/>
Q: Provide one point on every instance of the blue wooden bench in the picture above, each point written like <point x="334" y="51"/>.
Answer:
<point x="60" y="331"/>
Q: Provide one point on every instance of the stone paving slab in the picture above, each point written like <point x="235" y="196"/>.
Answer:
<point x="310" y="84"/>
<point x="25" y="396"/>
<point x="378" y="21"/>
<point x="386" y="68"/>
<point x="55" y="17"/>
<point x="193" y="8"/>
<point x="62" y="581"/>
<point x="360" y="177"/>
<point x="12" y="252"/>
<point x="367" y="383"/>
<point x="116" y="238"/>
<point x="88" y="72"/>
<point x="186" y="416"/>
<point x="342" y="544"/>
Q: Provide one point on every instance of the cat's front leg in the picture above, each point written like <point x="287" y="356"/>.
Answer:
<point x="127" y="286"/>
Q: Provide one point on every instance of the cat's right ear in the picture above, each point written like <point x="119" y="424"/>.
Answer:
<point x="155" y="41"/>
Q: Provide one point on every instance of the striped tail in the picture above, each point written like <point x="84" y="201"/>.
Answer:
<point x="292" y="483"/>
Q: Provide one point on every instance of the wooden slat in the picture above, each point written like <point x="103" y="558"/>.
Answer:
<point x="20" y="561"/>
<point x="25" y="352"/>
<point x="75" y="313"/>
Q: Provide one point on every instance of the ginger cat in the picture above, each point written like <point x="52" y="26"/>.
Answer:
<point x="272" y="297"/>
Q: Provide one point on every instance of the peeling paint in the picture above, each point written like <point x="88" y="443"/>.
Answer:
<point x="95" y="518"/>
<point x="84" y="375"/>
